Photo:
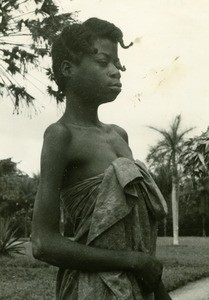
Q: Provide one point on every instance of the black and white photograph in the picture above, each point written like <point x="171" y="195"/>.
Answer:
<point x="104" y="150"/>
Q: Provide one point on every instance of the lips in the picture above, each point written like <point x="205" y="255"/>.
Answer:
<point x="116" y="84"/>
<point x="115" y="88"/>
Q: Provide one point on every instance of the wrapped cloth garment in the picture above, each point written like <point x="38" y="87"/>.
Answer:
<point x="116" y="210"/>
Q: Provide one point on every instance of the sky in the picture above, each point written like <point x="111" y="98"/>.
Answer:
<point x="167" y="74"/>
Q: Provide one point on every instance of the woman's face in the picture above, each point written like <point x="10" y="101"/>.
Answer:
<point x="97" y="77"/>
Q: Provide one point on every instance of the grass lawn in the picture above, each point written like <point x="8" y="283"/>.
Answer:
<point x="184" y="263"/>
<point x="23" y="278"/>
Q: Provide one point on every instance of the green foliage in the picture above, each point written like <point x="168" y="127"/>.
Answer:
<point x="162" y="177"/>
<point x="192" y="159"/>
<point x="195" y="156"/>
<point x="195" y="160"/>
<point x="25" y="36"/>
<point x="193" y="214"/>
<point x="9" y="243"/>
<point x="17" y="195"/>
<point x="7" y="167"/>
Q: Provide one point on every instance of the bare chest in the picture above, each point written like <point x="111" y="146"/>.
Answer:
<point x="92" y="151"/>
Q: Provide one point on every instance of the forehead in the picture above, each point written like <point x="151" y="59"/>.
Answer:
<point x="106" y="47"/>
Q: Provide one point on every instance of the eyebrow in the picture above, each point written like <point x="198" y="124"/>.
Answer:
<point x="107" y="55"/>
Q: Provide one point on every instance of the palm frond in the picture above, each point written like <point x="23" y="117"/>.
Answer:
<point x="9" y="243"/>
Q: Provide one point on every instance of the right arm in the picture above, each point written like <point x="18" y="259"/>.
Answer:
<point x="47" y="242"/>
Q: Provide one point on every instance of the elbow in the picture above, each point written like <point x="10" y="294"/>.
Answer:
<point x="43" y="247"/>
<point x="37" y="248"/>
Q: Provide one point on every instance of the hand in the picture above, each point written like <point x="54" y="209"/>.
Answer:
<point x="150" y="272"/>
<point x="161" y="293"/>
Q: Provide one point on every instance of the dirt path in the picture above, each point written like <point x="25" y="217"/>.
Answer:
<point x="198" y="290"/>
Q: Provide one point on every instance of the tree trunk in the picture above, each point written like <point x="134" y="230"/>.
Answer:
<point x="175" y="212"/>
<point x="25" y="225"/>
<point x="203" y="226"/>
<point x="203" y="210"/>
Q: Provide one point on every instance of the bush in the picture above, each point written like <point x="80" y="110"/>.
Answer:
<point x="9" y="243"/>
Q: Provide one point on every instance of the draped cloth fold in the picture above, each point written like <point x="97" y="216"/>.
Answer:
<point x="116" y="210"/>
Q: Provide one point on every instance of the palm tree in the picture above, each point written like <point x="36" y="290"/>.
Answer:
<point x="167" y="151"/>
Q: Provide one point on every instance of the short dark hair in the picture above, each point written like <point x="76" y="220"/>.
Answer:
<point x="76" y="40"/>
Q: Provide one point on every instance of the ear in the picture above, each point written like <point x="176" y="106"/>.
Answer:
<point x="66" y="68"/>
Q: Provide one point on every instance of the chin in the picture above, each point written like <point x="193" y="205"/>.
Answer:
<point x="108" y="100"/>
<point x="106" y="97"/>
<point x="111" y="96"/>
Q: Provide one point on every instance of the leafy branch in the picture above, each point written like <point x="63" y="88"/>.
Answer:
<point x="26" y="36"/>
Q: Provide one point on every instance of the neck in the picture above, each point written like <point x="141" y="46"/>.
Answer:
<point x="81" y="113"/>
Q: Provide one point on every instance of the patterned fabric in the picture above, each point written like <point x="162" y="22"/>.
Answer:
<point x="115" y="210"/>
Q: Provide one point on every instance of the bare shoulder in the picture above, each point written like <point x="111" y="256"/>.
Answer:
<point x="57" y="133"/>
<point x="57" y="138"/>
<point x="120" y="131"/>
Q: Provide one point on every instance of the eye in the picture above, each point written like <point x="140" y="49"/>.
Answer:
<point x="103" y="63"/>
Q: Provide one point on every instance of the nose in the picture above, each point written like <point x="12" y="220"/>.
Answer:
<point x="114" y="72"/>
